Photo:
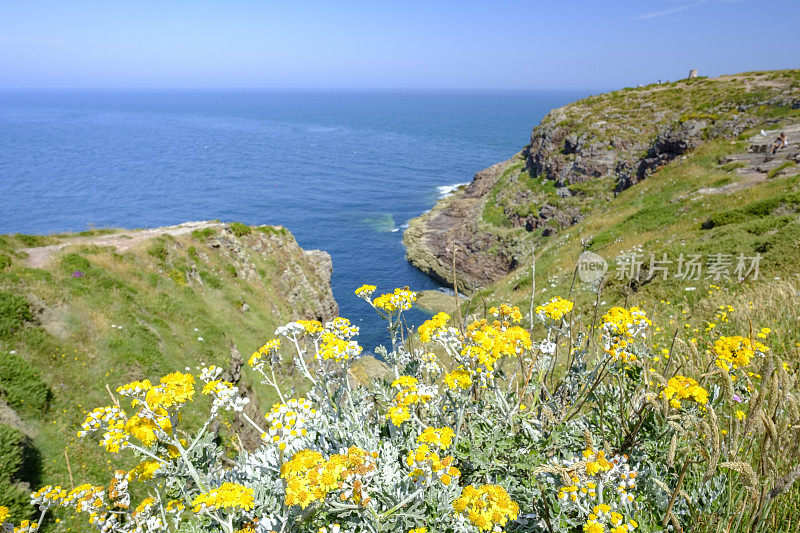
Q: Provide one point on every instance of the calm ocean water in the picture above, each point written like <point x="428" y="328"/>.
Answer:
<point x="344" y="171"/>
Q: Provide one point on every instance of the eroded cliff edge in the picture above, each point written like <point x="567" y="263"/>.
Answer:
<point x="82" y="313"/>
<point x="579" y="157"/>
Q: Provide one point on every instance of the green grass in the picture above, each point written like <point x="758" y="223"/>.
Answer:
<point x="663" y="214"/>
<point x="174" y="308"/>
<point x="730" y="167"/>
<point x="273" y="230"/>
<point x="17" y="464"/>
<point x="777" y="170"/>
<point x="203" y="234"/>
<point x="21" y="386"/>
<point x="239" y="229"/>
<point x="14" y="312"/>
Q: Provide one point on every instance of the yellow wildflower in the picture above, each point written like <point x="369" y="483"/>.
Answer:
<point x="555" y="309"/>
<point x="441" y="437"/>
<point x="399" y="300"/>
<point x="684" y="388"/>
<point x="365" y="291"/>
<point x="487" y="506"/>
<point x="459" y="378"/>
<point x="736" y="352"/>
<point x="429" y="328"/>
<point x="227" y="496"/>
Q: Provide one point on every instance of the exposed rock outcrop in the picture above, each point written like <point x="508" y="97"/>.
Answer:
<point x="305" y="280"/>
<point x="449" y="233"/>
<point x="579" y="155"/>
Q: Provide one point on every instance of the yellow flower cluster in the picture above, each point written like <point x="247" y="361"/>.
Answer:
<point x="145" y="428"/>
<point x="289" y="422"/>
<point x="218" y="387"/>
<point x="88" y="499"/>
<point x="144" y="470"/>
<point x="264" y="352"/>
<point x="110" y="418"/>
<point x="399" y="300"/>
<point x="309" y="477"/>
<point x="173" y="392"/>
<point x="365" y="291"/>
<point x="598" y="492"/>
<point x="431" y="327"/>
<point x="85" y="498"/>
<point x="144" y="507"/>
<point x="337" y="349"/>
<point x="620" y="326"/>
<point x="135" y="388"/>
<point x="175" y="506"/>
<point x="226" y="496"/>
<point x="507" y="313"/>
<point x="595" y="461"/>
<point x="408" y="395"/>
<point x="424" y="462"/>
<point x="48" y="495"/>
<point x="486" y="507"/>
<point x="625" y="322"/>
<point x="602" y="514"/>
<point x="153" y="418"/>
<point x="487" y="343"/>
<point x="684" y="388"/>
<point x="26" y="527"/>
<point x="342" y="327"/>
<point x="736" y="352"/>
<point x="311" y="326"/>
<point x="459" y="378"/>
<point x="4" y="512"/>
<point x="441" y="437"/>
<point x="118" y="490"/>
<point x="555" y="309"/>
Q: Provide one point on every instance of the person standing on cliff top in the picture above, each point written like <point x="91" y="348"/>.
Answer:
<point x="781" y="142"/>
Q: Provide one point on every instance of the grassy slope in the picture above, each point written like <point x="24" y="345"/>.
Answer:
<point x="664" y="214"/>
<point x="166" y="295"/>
<point x="629" y="117"/>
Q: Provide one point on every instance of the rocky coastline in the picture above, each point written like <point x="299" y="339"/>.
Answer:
<point x="578" y="156"/>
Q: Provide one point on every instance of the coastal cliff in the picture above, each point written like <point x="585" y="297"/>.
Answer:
<point x="78" y="311"/>
<point x="580" y="157"/>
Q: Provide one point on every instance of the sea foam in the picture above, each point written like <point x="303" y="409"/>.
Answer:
<point x="447" y="190"/>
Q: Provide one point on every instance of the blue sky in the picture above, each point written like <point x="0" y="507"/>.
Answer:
<point x="437" y="44"/>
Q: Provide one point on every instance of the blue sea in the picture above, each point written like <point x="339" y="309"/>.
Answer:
<point x="344" y="171"/>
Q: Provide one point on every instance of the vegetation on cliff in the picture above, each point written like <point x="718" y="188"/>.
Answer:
<point x="573" y="419"/>
<point x="583" y="157"/>
<point x="683" y="203"/>
<point x="657" y="395"/>
<point x="80" y="311"/>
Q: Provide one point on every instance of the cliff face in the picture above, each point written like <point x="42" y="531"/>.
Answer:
<point x="451" y="232"/>
<point x="79" y="311"/>
<point x="579" y="157"/>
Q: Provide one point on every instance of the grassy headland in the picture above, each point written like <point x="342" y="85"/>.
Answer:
<point x="79" y="312"/>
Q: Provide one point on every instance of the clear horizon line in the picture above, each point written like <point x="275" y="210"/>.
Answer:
<point x="297" y="88"/>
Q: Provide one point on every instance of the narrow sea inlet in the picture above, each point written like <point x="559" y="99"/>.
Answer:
<point x="343" y="171"/>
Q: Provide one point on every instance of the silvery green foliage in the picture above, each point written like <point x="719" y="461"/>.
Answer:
<point x="576" y="435"/>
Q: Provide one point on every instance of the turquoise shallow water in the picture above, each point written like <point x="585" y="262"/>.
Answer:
<point x="344" y="171"/>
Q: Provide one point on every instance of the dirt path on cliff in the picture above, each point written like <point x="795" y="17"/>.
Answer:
<point x="121" y="240"/>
